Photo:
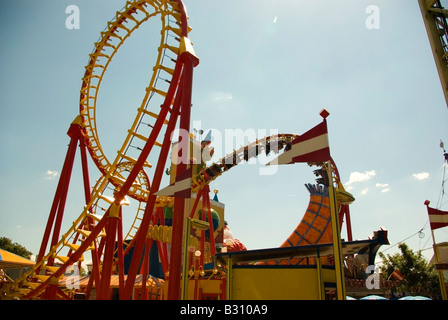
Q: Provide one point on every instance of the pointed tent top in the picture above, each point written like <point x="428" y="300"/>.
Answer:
<point x="208" y="137"/>
<point x="324" y="113"/>
<point x="215" y="198"/>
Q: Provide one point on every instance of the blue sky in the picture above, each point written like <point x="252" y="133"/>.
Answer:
<point x="265" y="66"/>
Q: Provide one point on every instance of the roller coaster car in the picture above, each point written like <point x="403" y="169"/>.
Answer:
<point x="226" y="163"/>
<point x="251" y="152"/>
<point x="322" y="173"/>
<point x="217" y="168"/>
<point x="236" y="159"/>
<point x="278" y="144"/>
<point x="214" y="170"/>
<point x="267" y="148"/>
<point x="246" y="153"/>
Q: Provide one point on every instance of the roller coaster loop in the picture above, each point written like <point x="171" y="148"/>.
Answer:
<point x="99" y="228"/>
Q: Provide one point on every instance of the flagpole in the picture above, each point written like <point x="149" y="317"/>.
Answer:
<point x="439" y="272"/>
<point x="313" y="147"/>
<point x="186" y="256"/>
<point x="335" y="229"/>
<point x="437" y="260"/>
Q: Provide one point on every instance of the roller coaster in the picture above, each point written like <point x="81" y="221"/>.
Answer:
<point x="121" y="259"/>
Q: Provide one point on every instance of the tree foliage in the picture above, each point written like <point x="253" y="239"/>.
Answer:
<point x="419" y="277"/>
<point x="8" y="245"/>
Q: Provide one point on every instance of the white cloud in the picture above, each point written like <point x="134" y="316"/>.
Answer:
<point x="364" y="191"/>
<point x="51" y="175"/>
<point x="222" y="96"/>
<point x="360" y="176"/>
<point x="356" y="177"/>
<point x="421" y="176"/>
<point x="384" y="187"/>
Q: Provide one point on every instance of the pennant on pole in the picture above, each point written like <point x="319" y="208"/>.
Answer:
<point x="312" y="146"/>
<point x="180" y="188"/>
<point x="397" y="275"/>
<point x="437" y="218"/>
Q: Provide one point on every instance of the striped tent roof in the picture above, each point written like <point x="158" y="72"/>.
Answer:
<point x="10" y="260"/>
<point x="83" y="281"/>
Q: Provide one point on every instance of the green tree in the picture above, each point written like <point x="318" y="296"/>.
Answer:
<point x="419" y="277"/>
<point x="6" y="244"/>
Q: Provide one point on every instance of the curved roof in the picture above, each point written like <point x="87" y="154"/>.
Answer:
<point x="10" y="260"/>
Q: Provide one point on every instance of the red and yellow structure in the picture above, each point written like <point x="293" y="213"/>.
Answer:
<point x="179" y="238"/>
<point x="435" y="20"/>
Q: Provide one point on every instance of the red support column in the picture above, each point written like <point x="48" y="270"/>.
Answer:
<point x="165" y="108"/>
<point x="85" y="167"/>
<point x="348" y="223"/>
<point x="195" y="204"/>
<point x="72" y="259"/>
<point x="145" y="269"/>
<point x="56" y="215"/>
<point x="120" y="254"/>
<point x="162" y="245"/>
<point x="210" y="220"/>
<point x="96" y="273"/>
<point x="204" y="213"/>
<point x="57" y="207"/>
<point x="112" y="218"/>
<point x="182" y="83"/>
<point x="147" y="217"/>
<point x="179" y="203"/>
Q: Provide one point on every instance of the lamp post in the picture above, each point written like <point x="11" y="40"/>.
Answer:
<point x="198" y="224"/>
<point x="336" y="233"/>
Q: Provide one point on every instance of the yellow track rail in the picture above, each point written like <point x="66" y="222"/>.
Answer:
<point x="125" y="22"/>
<point x="273" y="143"/>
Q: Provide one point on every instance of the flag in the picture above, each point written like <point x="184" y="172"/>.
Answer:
<point x="437" y="218"/>
<point x="397" y="275"/>
<point x="180" y="188"/>
<point x="312" y="146"/>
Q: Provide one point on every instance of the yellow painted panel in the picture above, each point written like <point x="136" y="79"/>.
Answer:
<point x="277" y="283"/>
<point x="212" y="286"/>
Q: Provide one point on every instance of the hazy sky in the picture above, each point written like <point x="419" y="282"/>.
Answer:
<point x="265" y="66"/>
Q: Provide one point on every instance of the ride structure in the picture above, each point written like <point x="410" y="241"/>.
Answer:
<point x="125" y="175"/>
<point x="178" y="232"/>
<point x="435" y="19"/>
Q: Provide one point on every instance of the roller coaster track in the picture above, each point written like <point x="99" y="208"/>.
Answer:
<point x="436" y="24"/>
<point x="133" y="15"/>
<point x="273" y="143"/>
<point x="125" y="175"/>
<point x="98" y="228"/>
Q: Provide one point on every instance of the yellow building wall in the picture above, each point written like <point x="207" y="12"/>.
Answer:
<point x="277" y="283"/>
<point x="209" y="288"/>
